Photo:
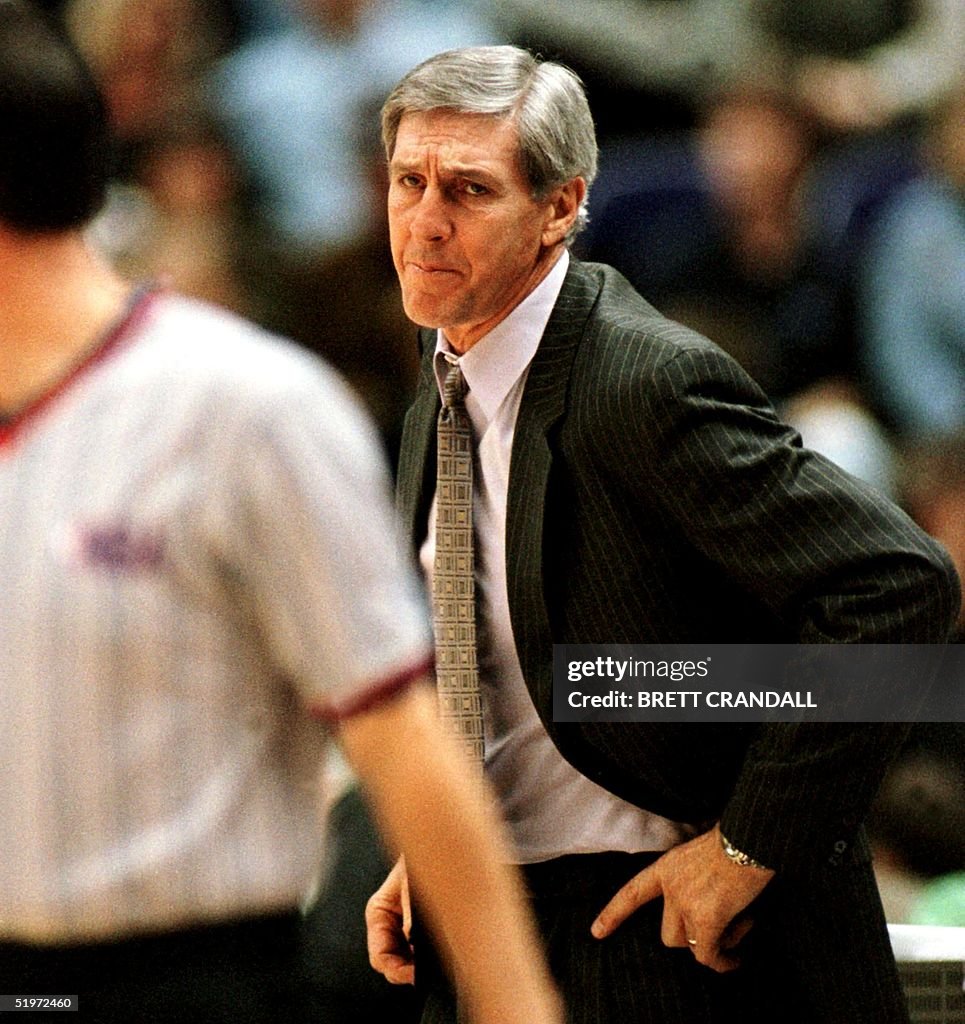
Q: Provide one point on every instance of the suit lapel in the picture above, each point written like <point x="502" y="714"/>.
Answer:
<point x="415" y="478"/>
<point x="543" y="403"/>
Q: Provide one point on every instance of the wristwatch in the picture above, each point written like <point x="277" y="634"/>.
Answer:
<point x="738" y="857"/>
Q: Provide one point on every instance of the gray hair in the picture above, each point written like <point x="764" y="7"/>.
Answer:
<point x="546" y="101"/>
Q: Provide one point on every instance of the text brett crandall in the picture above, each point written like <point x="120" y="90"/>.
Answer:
<point x="618" y="669"/>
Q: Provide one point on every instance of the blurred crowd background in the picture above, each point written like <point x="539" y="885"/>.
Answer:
<point x="787" y="176"/>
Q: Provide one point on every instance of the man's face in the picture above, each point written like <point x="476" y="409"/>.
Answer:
<point x="469" y="241"/>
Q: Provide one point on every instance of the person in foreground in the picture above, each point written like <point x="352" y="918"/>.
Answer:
<point x="632" y="485"/>
<point x="191" y="600"/>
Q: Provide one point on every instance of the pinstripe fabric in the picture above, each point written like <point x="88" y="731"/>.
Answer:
<point x="797" y="961"/>
<point x="706" y="521"/>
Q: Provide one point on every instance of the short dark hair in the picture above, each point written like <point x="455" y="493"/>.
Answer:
<point x="55" y="148"/>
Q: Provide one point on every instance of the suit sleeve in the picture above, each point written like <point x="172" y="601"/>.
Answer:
<point x="834" y="560"/>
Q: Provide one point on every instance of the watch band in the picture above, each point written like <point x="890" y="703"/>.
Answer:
<point x="738" y="857"/>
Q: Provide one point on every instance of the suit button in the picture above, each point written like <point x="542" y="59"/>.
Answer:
<point x="840" y="846"/>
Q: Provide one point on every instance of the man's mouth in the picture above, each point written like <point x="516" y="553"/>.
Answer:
<point x="429" y="267"/>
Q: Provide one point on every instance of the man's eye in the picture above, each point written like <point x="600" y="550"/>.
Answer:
<point x="473" y="188"/>
<point x="409" y="180"/>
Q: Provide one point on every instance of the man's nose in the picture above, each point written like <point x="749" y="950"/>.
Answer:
<point x="431" y="221"/>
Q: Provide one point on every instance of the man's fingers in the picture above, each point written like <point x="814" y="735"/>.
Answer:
<point x="715" y="958"/>
<point x="388" y="948"/>
<point x="404" y="896"/>
<point x="386" y="929"/>
<point x="736" y="932"/>
<point x="674" y="933"/>
<point x="395" y="969"/>
<point x="642" y="888"/>
<point x="720" y="952"/>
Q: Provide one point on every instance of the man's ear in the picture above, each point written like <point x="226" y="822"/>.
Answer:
<point x="563" y="204"/>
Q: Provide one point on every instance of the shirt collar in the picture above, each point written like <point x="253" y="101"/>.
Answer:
<point x="498" y="360"/>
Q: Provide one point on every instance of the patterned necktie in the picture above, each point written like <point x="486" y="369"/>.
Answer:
<point x="453" y="583"/>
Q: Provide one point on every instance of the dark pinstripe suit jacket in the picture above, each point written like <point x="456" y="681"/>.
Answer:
<point x="654" y="496"/>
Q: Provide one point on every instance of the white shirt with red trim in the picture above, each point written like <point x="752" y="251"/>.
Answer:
<point x="197" y="549"/>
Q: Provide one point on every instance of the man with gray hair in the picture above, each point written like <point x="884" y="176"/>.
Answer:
<point x="629" y="484"/>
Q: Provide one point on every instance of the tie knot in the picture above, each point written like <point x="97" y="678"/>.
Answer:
<point x="454" y="387"/>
